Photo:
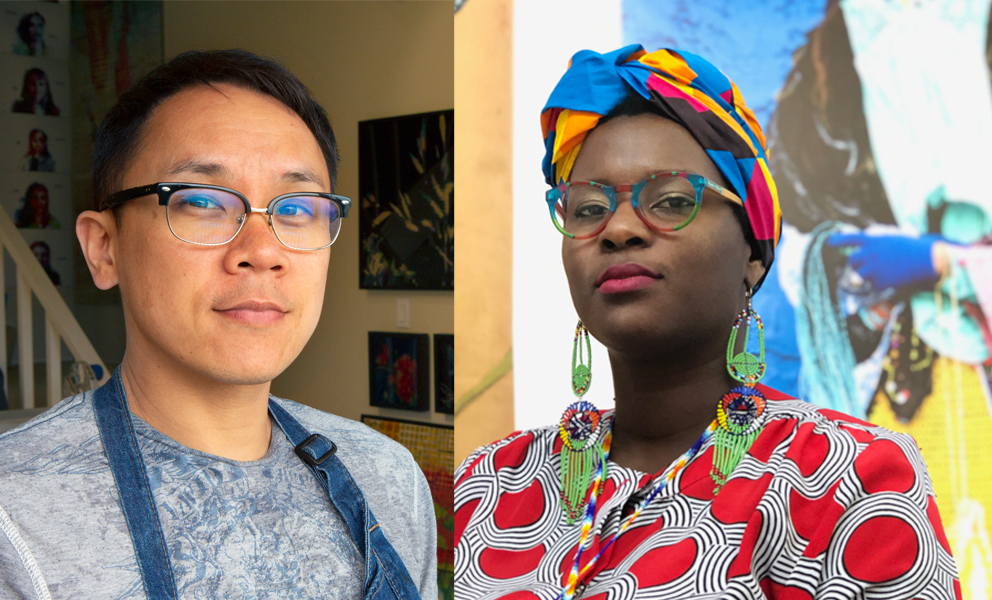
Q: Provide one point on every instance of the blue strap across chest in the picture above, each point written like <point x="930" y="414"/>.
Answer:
<point x="386" y="577"/>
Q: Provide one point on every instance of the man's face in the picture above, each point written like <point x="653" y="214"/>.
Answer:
<point x="237" y="313"/>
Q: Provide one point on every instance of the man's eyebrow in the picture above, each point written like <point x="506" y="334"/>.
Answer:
<point x="199" y="167"/>
<point x="301" y="175"/>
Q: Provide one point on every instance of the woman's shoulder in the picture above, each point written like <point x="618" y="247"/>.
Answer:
<point x="781" y="406"/>
<point x="513" y="451"/>
<point x="820" y="439"/>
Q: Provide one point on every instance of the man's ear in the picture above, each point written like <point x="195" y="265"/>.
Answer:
<point x="97" y="233"/>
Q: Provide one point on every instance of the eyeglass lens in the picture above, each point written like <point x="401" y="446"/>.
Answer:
<point x="213" y="217"/>
<point x="665" y="202"/>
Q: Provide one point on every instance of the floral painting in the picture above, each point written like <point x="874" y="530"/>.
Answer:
<point x="432" y="446"/>
<point x="406" y="214"/>
<point x="398" y="370"/>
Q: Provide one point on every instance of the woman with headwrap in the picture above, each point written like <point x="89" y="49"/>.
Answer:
<point x="702" y="482"/>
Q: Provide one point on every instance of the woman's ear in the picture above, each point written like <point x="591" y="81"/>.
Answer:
<point x="754" y="272"/>
<point x="97" y="233"/>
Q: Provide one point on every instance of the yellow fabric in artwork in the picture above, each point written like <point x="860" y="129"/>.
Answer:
<point x="952" y="429"/>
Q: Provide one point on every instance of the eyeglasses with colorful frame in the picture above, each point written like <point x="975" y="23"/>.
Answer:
<point x="665" y="202"/>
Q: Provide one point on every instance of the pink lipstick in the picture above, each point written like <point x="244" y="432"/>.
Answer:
<point x="627" y="277"/>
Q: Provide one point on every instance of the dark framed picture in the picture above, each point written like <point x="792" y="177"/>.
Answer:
<point x="406" y="218"/>
<point x="444" y="373"/>
<point x="433" y="447"/>
<point x="399" y="370"/>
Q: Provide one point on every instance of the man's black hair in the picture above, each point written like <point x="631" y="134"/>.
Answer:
<point x="119" y="135"/>
<point x="633" y="105"/>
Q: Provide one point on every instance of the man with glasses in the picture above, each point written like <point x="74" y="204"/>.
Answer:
<point x="182" y="476"/>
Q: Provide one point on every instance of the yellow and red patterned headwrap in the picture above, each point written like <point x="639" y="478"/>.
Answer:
<point x="688" y="90"/>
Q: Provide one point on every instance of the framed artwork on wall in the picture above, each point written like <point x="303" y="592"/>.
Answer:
<point x="432" y="446"/>
<point x="399" y="370"/>
<point x="406" y="213"/>
<point x="444" y="373"/>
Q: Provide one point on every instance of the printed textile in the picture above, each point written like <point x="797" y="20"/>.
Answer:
<point x="822" y="506"/>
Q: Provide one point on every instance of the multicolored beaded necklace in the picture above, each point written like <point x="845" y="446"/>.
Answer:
<point x="740" y="419"/>
<point x="597" y="487"/>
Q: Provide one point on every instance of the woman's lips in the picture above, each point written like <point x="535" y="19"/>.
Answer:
<point x="627" y="277"/>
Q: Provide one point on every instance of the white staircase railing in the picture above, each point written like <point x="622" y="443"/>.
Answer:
<point x="60" y="324"/>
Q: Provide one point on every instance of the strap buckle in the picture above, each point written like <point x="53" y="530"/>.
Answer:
<point x="307" y="457"/>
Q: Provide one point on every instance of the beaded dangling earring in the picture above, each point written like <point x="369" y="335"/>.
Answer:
<point x="740" y="413"/>
<point x="579" y="430"/>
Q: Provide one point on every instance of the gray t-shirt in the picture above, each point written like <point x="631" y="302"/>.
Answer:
<point x="261" y="529"/>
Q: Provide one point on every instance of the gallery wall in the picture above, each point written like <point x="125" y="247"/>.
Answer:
<point x="362" y="60"/>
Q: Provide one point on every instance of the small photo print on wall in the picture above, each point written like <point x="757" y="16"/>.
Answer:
<point x="38" y="29"/>
<point x="30" y="144"/>
<point x="399" y="370"/>
<point x="444" y="373"/>
<point x="38" y="87"/>
<point x="406" y="185"/>
<point x="38" y="200"/>
<point x="54" y="253"/>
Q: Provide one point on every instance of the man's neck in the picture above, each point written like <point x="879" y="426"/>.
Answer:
<point x="223" y="419"/>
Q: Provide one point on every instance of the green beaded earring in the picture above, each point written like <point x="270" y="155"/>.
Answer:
<point x="581" y="361"/>
<point x="740" y="413"/>
<point x="580" y="433"/>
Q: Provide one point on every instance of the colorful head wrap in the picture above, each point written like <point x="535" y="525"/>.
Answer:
<point x="688" y="90"/>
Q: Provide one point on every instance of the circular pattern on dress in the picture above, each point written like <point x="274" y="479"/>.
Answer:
<point x="579" y="426"/>
<point x="885" y="563"/>
<point x="662" y="565"/>
<point x="520" y="509"/>
<point x="740" y="410"/>
<point x="507" y="564"/>
<point x="882" y="467"/>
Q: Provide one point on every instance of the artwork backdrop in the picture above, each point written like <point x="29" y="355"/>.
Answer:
<point x="35" y="151"/>
<point x="431" y="446"/>
<point x="878" y="116"/>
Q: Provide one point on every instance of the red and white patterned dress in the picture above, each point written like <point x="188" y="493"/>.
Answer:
<point x="822" y="506"/>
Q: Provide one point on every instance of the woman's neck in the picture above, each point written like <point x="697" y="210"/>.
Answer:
<point x="662" y="408"/>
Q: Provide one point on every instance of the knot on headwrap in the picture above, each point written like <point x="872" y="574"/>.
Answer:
<point x="686" y="89"/>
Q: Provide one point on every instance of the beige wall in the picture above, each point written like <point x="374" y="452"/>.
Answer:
<point x="483" y="271"/>
<point x="362" y="60"/>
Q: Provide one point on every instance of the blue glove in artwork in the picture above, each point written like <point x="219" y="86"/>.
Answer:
<point x="889" y="261"/>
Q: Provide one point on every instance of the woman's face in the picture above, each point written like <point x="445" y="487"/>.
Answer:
<point x="36" y="29"/>
<point x="37" y="142"/>
<point x="667" y="293"/>
<point x="38" y="87"/>
<point x="39" y="201"/>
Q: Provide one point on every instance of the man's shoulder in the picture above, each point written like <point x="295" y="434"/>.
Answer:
<point x="354" y="440"/>
<point x="69" y="427"/>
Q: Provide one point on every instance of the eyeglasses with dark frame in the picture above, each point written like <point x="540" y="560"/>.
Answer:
<point x="211" y="215"/>
<point x="665" y="202"/>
